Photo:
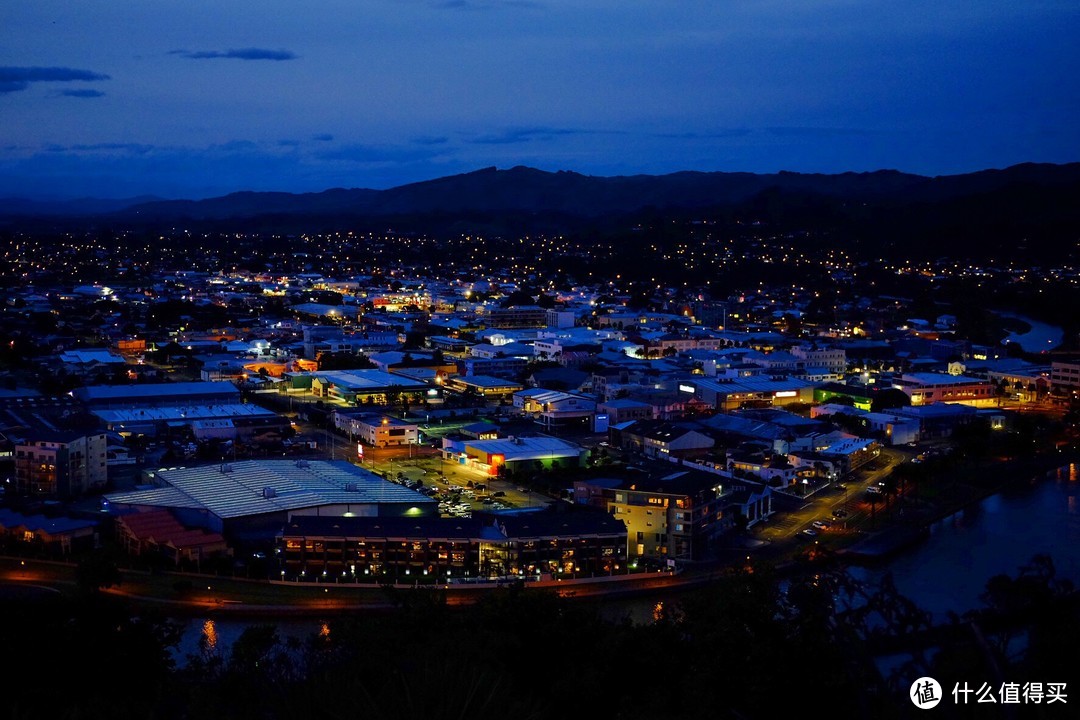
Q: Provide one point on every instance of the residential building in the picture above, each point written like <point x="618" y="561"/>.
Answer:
<point x="674" y="516"/>
<point x="60" y="464"/>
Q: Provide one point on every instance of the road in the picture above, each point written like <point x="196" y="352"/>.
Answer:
<point x="820" y="506"/>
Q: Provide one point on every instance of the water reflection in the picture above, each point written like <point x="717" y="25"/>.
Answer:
<point x="950" y="569"/>
<point x="209" y="636"/>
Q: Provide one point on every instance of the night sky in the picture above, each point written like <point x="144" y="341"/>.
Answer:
<point x="192" y="99"/>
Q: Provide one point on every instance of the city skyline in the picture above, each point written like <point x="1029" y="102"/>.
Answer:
<point x="202" y="100"/>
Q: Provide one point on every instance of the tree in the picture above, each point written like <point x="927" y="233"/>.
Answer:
<point x="96" y="571"/>
<point x="888" y="399"/>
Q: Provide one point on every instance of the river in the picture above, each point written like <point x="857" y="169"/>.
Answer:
<point x="1039" y="338"/>
<point x="948" y="571"/>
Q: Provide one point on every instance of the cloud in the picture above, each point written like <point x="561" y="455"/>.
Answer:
<point x="528" y="134"/>
<point x="136" y="148"/>
<point x="376" y="154"/>
<point x="709" y="135"/>
<point x="236" y="54"/>
<point x="323" y="137"/>
<point x="82" y="93"/>
<point x="817" y="132"/>
<point x="127" y="169"/>
<point x="434" y="140"/>
<point x="484" y="4"/>
<point x="14" y="79"/>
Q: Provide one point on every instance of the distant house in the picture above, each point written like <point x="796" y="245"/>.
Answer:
<point x="553" y="408"/>
<point x="159" y="532"/>
<point x="60" y="535"/>
<point x="658" y="437"/>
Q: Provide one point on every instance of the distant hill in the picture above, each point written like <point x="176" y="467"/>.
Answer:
<point x="80" y="207"/>
<point x="522" y="189"/>
<point x="526" y="190"/>
<point x="1029" y="210"/>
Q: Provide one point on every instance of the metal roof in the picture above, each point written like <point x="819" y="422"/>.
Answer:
<point x="183" y="412"/>
<point x="259" y="487"/>
<point x="95" y="393"/>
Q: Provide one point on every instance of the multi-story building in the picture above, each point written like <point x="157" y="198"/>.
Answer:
<point x="60" y="464"/>
<point x="504" y="367"/>
<point x="833" y="359"/>
<point x="674" y="516"/>
<point x="516" y="317"/>
<point x="1065" y="377"/>
<point x="553" y="408"/>
<point x="924" y="388"/>
<point x="376" y="430"/>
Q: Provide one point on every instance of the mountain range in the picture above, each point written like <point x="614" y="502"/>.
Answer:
<point x="527" y="190"/>
<point x="1029" y="211"/>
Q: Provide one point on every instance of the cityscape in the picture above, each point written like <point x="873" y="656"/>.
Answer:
<point x="473" y="414"/>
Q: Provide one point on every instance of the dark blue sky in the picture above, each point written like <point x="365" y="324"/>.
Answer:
<point x="201" y="98"/>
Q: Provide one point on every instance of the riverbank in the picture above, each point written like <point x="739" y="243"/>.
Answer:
<point x="970" y="487"/>
<point x="190" y="594"/>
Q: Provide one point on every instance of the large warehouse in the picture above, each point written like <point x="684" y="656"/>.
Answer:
<point x="253" y="499"/>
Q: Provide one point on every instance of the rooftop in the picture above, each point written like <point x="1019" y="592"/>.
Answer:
<point x="258" y="487"/>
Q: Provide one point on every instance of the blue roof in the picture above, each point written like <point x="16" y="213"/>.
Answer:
<point x="40" y="523"/>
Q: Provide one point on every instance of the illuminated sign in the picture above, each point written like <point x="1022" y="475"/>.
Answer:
<point x="786" y="393"/>
<point x="359" y="450"/>
<point x="686" y="388"/>
<point x="498" y="459"/>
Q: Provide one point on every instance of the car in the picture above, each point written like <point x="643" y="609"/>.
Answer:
<point x="498" y="493"/>
<point x="839" y="513"/>
<point x="819" y="525"/>
<point x="809" y="533"/>
<point x="873" y="490"/>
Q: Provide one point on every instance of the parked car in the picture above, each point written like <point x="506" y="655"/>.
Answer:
<point x="839" y="513"/>
<point x="818" y="524"/>
<point x="808" y="533"/>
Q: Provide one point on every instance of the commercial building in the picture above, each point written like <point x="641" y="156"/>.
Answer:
<point x="513" y="453"/>
<point x="376" y="430"/>
<point x="516" y="317"/>
<point x="158" y="395"/>
<point x="353" y="387"/>
<point x="485" y="386"/>
<point x="551" y="543"/>
<point x="926" y="388"/>
<point x="255" y="498"/>
<point x="730" y="395"/>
